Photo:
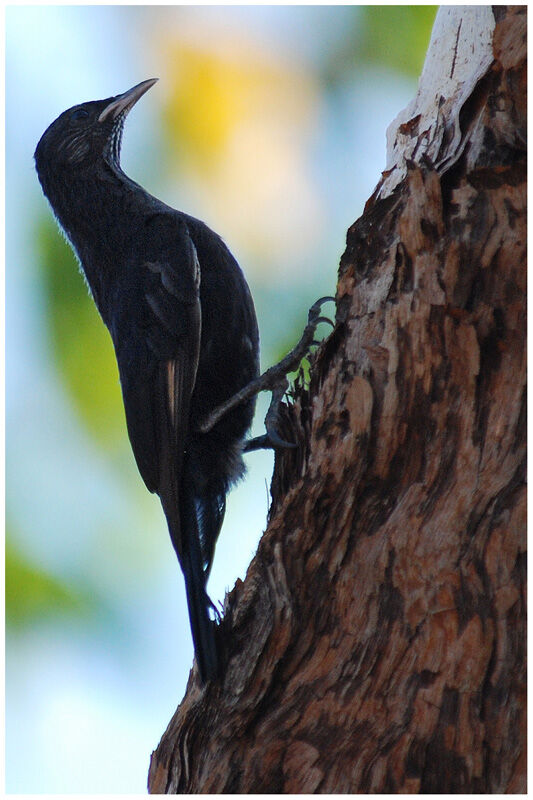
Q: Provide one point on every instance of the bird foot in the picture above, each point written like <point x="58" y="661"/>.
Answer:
<point x="271" y="440"/>
<point x="274" y="380"/>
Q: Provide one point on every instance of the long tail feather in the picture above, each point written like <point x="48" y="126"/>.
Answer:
<point x="202" y="626"/>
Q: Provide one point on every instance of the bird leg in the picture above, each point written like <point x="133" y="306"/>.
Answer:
<point x="274" y="379"/>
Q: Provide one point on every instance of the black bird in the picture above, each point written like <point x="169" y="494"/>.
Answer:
<point x="183" y="325"/>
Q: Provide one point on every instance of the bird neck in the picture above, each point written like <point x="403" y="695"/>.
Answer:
<point x="85" y="201"/>
<point x="91" y="207"/>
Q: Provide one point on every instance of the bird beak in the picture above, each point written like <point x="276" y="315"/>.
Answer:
<point x="124" y="102"/>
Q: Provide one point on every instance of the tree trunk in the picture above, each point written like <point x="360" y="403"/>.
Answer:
<point x="378" y="642"/>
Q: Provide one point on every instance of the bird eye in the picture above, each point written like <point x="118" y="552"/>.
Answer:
<point x="79" y="113"/>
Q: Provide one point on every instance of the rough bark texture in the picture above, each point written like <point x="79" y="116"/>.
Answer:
<point x="378" y="642"/>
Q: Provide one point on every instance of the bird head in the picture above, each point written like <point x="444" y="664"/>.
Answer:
<point x="88" y="132"/>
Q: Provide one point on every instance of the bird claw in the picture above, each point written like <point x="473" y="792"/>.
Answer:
<point x="271" y="440"/>
<point x="315" y="309"/>
<point x="272" y="415"/>
<point x="328" y="298"/>
<point x="268" y="441"/>
<point x="325" y="319"/>
<point x="275" y="380"/>
<point x="276" y="442"/>
<point x="314" y="317"/>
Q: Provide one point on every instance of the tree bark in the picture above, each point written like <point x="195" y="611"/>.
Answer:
<point x="378" y="642"/>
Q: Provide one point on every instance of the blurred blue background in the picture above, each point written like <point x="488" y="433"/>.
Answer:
<point x="269" y="123"/>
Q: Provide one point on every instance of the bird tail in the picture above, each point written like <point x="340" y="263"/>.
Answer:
<point x="202" y="626"/>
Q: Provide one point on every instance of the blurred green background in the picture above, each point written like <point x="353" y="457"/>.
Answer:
<point x="269" y="123"/>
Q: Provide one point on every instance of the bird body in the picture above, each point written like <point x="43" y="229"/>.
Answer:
<point x="183" y="326"/>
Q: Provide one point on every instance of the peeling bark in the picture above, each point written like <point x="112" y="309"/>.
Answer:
<point x="378" y="642"/>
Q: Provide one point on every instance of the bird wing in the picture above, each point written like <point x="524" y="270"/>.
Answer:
<point x="157" y="339"/>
